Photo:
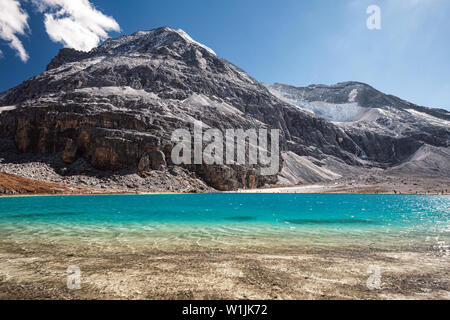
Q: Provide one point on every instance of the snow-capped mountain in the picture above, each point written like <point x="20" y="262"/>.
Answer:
<point x="116" y="106"/>
<point x="324" y="102"/>
<point x="347" y="101"/>
<point x="354" y="105"/>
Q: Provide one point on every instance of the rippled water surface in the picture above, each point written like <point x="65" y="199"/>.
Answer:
<point x="217" y="220"/>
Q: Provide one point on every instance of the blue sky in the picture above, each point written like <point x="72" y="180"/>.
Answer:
<point x="288" y="41"/>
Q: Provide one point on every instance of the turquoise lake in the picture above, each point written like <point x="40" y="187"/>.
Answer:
<point x="218" y="220"/>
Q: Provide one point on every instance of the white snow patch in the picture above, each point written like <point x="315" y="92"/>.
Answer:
<point x="189" y="39"/>
<point x="7" y="108"/>
<point x="243" y="75"/>
<point x="132" y="60"/>
<point x="374" y="114"/>
<point x="115" y="43"/>
<point x="68" y="69"/>
<point x="118" y="91"/>
<point x="343" y="112"/>
<point x="386" y="121"/>
<point x="199" y="100"/>
<point x="352" y="95"/>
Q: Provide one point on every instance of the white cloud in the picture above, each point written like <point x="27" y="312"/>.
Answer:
<point x="75" y="23"/>
<point x="13" y="22"/>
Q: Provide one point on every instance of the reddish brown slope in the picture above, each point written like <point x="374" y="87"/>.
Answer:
<point x="15" y="185"/>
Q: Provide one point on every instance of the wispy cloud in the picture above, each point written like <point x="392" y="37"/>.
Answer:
<point x="75" y="23"/>
<point x="13" y="22"/>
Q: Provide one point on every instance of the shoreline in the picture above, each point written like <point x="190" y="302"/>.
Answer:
<point x="282" y="190"/>
<point x="255" y="191"/>
<point x="17" y="186"/>
<point x="88" y="194"/>
<point x="39" y="272"/>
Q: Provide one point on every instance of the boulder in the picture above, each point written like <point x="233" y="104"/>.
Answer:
<point x="153" y="160"/>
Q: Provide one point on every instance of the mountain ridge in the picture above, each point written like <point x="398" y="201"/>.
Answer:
<point x="440" y="112"/>
<point x="115" y="106"/>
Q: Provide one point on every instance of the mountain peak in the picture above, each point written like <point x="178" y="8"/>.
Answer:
<point x="151" y="38"/>
<point x="144" y="41"/>
<point x="115" y="108"/>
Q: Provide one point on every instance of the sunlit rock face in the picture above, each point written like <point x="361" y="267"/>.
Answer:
<point x="117" y="106"/>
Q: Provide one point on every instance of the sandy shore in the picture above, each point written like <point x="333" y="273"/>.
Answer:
<point x="13" y="185"/>
<point x="366" y="185"/>
<point x="38" y="271"/>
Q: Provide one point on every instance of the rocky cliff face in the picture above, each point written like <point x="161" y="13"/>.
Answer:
<point x="387" y="129"/>
<point x="117" y="106"/>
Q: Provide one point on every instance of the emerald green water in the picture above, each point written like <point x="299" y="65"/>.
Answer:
<point x="217" y="220"/>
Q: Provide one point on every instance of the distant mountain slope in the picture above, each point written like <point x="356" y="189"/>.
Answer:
<point x="357" y="94"/>
<point x="363" y="113"/>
